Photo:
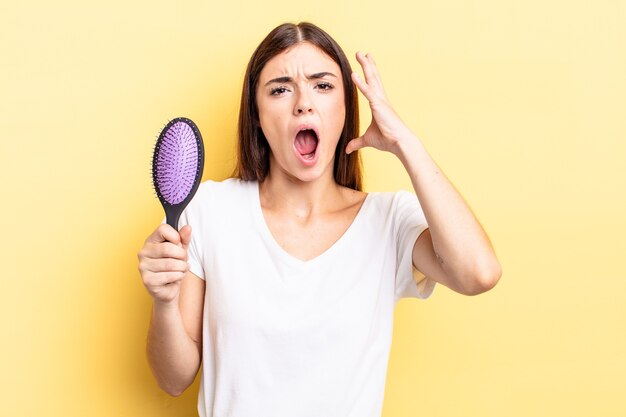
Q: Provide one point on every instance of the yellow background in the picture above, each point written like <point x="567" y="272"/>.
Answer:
<point x="522" y="104"/>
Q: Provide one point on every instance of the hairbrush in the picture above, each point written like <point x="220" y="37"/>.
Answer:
<point x="177" y="165"/>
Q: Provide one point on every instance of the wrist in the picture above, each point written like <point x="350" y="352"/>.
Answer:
<point x="406" y="147"/>
<point x="165" y="307"/>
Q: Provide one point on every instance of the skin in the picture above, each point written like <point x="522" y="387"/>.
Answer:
<point x="455" y="250"/>
<point x="303" y="203"/>
<point x="306" y="210"/>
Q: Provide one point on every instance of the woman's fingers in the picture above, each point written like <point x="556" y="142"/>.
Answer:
<point x="185" y="236"/>
<point x="361" y="84"/>
<point x="164" y="250"/>
<point x="367" y="66"/>
<point x="372" y="77"/>
<point x="355" y="144"/>
<point x="157" y="272"/>
<point x="160" y="279"/>
<point x="164" y="233"/>
<point x="165" y="265"/>
<point x="163" y="261"/>
<point x="385" y="127"/>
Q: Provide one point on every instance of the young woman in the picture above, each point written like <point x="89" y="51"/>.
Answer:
<point x="286" y="289"/>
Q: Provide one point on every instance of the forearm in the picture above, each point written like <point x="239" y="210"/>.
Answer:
<point x="173" y="356"/>
<point x="459" y="242"/>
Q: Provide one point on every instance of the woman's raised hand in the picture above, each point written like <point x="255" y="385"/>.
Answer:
<point x="163" y="262"/>
<point x="386" y="129"/>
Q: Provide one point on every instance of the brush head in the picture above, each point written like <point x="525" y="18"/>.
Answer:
<point x="177" y="165"/>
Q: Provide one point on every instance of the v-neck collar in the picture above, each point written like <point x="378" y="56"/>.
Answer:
<point x="282" y="253"/>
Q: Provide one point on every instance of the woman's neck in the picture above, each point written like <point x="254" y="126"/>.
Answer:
<point x="282" y="192"/>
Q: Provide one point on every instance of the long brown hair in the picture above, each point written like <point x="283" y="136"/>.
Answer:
<point x="253" y="149"/>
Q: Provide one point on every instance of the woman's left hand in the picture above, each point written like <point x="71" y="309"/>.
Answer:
<point x="386" y="130"/>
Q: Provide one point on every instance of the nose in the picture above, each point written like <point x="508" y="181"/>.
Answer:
<point x="303" y="104"/>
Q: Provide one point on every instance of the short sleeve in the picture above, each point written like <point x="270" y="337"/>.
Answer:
<point x="193" y="252"/>
<point x="409" y="223"/>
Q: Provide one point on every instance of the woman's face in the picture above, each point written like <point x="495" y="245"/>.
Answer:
<point x="300" y="97"/>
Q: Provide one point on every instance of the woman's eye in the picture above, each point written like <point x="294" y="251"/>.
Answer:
<point x="276" y="91"/>
<point x="325" y="86"/>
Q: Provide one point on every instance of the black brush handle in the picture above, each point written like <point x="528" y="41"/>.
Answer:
<point x="173" y="212"/>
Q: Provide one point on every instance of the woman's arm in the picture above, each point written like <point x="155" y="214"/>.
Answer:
<point x="455" y="251"/>
<point x="174" y="345"/>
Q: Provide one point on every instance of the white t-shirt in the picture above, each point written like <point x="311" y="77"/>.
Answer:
<point x="284" y="337"/>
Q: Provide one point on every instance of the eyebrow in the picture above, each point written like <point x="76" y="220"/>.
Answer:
<point x="315" y="76"/>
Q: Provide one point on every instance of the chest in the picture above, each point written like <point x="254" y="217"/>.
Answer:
<point x="306" y="239"/>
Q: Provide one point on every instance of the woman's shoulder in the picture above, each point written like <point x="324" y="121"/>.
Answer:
<point x="389" y="201"/>
<point x="229" y="192"/>
<point x="225" y="186"/>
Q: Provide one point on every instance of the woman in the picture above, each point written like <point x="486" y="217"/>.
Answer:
<point x="285" y="292"/>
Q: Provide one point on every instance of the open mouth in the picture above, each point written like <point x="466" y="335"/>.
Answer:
<point x="306" y="143"/>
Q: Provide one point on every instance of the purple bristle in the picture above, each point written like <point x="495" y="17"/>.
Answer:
<point x="177" y="163"/>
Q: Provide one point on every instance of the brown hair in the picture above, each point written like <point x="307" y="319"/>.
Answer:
<point x="253" y="149"/>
